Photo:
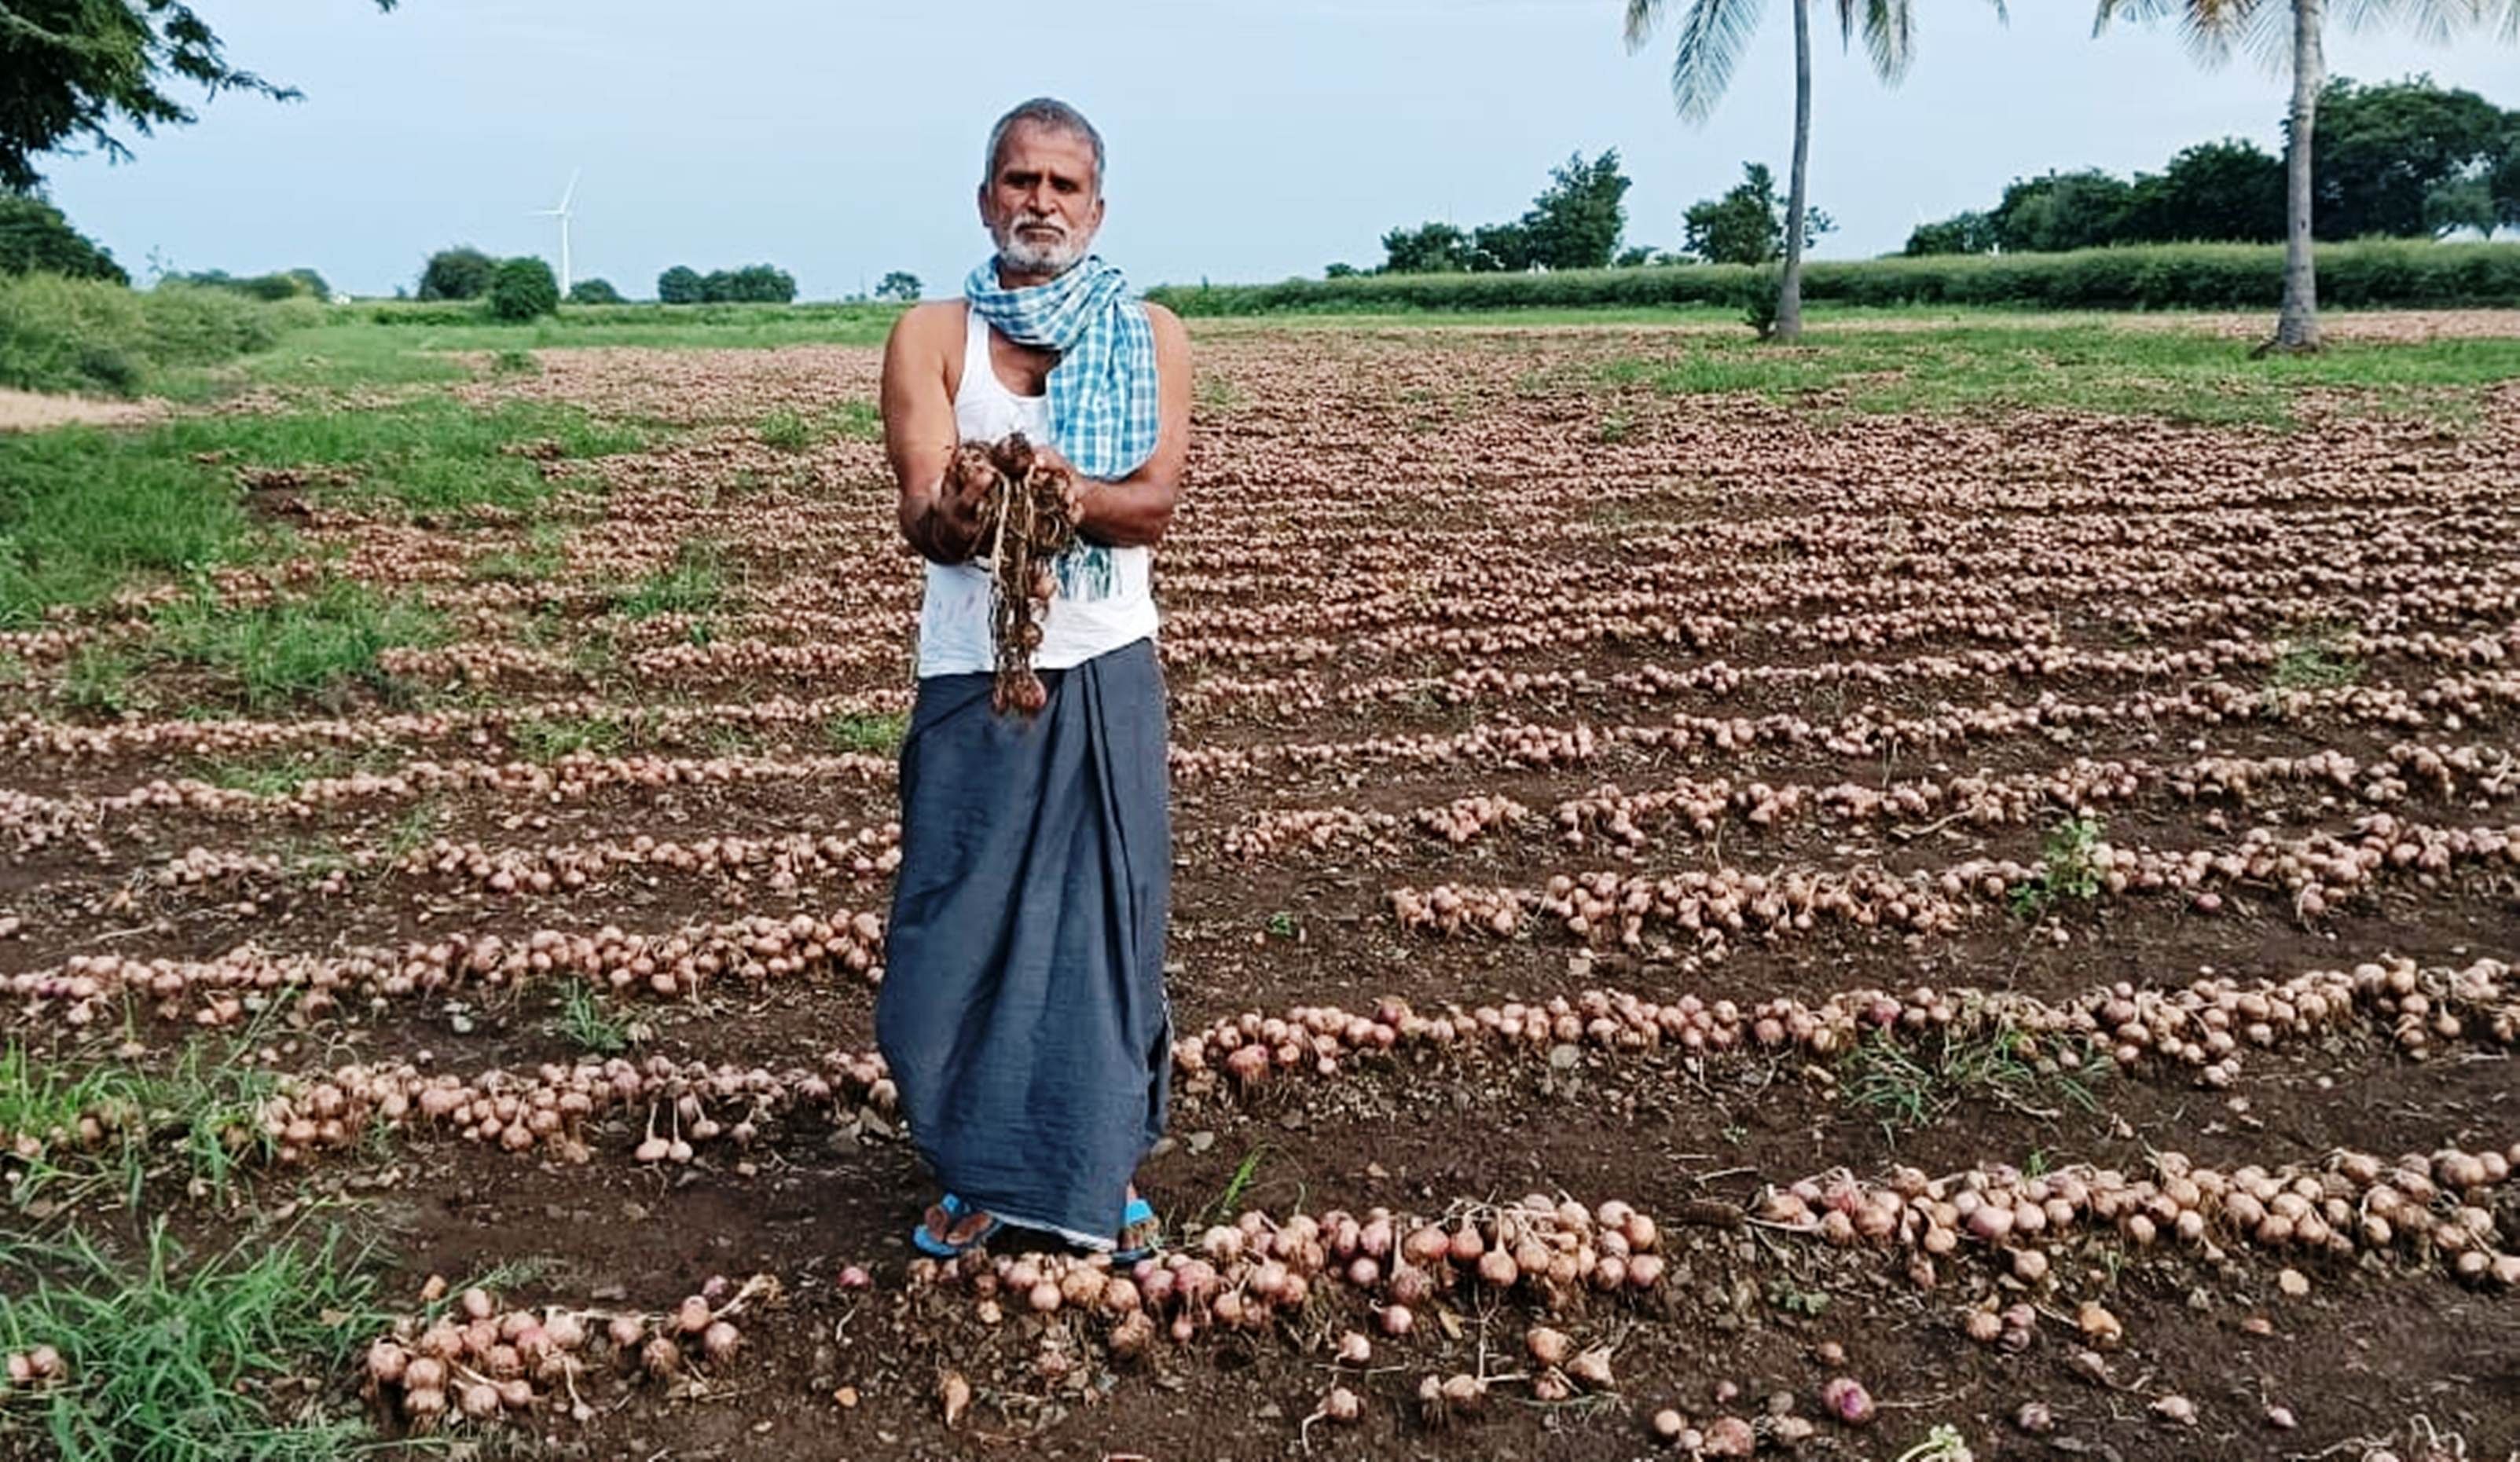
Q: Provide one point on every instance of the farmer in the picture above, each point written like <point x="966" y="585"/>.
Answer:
<point x="1023" y="1012"/>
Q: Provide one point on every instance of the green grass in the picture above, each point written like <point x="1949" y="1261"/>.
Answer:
<point x="584" y="1022"/>
<point x="199" y="1115"/>
<point x="293" y="647"/>
<point x="788" y="430"/>
<point x="1906" y="1089"/>
<point x="874" y="736"/>
<point x="85" y="511"/>
<point x="2313" y="660"/>
<point x="2182" y="375"/>
<point x="545" y="740"/>
<point x="227" y="1360"/>
<point x="695" y="582"/>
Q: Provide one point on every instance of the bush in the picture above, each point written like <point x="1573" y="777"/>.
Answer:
<point x="594" y="292"/>
<point x="65" y="334"/>
<point x="2165" y="276"/>
<point x="523" y="289"/>
<point x="35" y="237"/>
<point x="459" y="273"/>
<point x="680" y="284"/>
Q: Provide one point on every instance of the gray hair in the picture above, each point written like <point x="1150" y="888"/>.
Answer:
<point x="1048" y="112"/>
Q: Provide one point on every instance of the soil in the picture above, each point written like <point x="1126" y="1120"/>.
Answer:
<point x="1363" y="511"/>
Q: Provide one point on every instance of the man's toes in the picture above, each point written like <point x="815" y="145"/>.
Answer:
<point x="974" y="1225"/>
<point x="938" y="1221"/>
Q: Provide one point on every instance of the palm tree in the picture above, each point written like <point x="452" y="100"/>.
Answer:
<point x="2292" y="30"/>
<point x="1712" y="36"/>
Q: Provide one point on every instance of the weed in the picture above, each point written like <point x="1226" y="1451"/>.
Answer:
<point x="870" y="736"/>
<point x="513" y="362"/>
<point x="1616" y="428"/>
<point x="187" y="1362"/>
<point x="1283" y="925"/>
<point x="2068" y="869"/>
<point x="586" y="1024"/>
<point x="412" y="832"/>
<point x="288" y="648"/>
<point x="786" y="430"/>
<point x="1786" y="1295"/>
<point x="209" y="1106"/>
<point x="544" y="740"/>
<point x="1230" y="1202"/>
<point x="1976" y="1059"/>
<point x="99" y="679"/>
<point x="2313" y="660"/>
<point x="695" y="582"/>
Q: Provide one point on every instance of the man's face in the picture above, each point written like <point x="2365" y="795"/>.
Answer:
<point x="1044" y="204"/>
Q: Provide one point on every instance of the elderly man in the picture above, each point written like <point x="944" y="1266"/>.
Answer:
<point x="1023" y="1012"/>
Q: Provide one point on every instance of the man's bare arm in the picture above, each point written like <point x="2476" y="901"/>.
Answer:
<point x="920" y="437"/>
<point x="1134" y="512"/>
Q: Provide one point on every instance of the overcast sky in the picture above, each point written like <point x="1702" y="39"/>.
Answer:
<point x="1248" y="142"/>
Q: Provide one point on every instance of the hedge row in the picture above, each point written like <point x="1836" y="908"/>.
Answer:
<point x="2157" y="276"/>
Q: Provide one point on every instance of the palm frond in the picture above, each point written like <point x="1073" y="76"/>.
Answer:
<point x="2433" y="20"/>
<point x="1713" y="35"/>
<point x="2207" y="27"/>
<point x="1642" y="16"/>
<point x="1889" y="32"/>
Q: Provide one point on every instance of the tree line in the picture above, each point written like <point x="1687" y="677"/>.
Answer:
<point x="2404" y="159"/>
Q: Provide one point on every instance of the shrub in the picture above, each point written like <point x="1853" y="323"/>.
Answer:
<point x="594" y="292"/>
<point x="66" y="335"/>
<point x="459" y="273"/>
<point x="2162" y="276"/>
<point x="680" y="284"/>
<point x="523" y="289"/>
<point x="35" y="237"/>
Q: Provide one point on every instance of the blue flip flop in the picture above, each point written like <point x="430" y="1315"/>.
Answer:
<point x="935" y="1248"/>
<point x="1138" y="1211"/>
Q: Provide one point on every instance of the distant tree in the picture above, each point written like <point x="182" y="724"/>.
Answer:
<point x="2467" y="204"/>
<point x="1576" y="221"/>
<point x="2385" y="150"/>
<point x="753" y="284"/>
<point x="2062" y="210"/>
<point x="2229" y="192"/>
<point x="594" y="292"/>
<point x="900" y="284"/>
<point x="460" y="273"/>
<point x="1746" y="226"/>
<point x="1428" y="249"/>
<point x="1959" y="234"/>
<point x="293" y="283"/>
<point x="680" y="284"/>
<point x="2212" y="25"/>
<point x="34" y="235"/>
<point x="2504" y="182"/>
<point x="75" y="69"/>
<point x="1634" y="257"/>
<point x="1339" y="272"/>
<point x="1501" y="248"/>
<point x="522" y="290"/>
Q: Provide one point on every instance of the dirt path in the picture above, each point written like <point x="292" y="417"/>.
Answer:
<point x="26" y="411"/>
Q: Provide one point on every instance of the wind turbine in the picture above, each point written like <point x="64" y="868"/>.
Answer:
<point x="561" y="213"/>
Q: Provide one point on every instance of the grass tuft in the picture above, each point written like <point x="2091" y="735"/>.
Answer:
<point x="167" y="1360"/>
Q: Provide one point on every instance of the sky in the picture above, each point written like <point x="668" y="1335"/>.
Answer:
<point x="1247" y="142"/>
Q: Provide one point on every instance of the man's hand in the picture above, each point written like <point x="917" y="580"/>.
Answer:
<point x="1079" y="486"/>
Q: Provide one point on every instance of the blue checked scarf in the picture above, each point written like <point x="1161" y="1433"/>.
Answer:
<point x="1102" y="412"/>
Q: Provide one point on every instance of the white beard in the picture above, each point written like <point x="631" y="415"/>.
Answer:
<point x="1019" y="255"/>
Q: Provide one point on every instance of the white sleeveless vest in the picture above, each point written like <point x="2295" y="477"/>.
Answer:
<point x="1106" y="598"/>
